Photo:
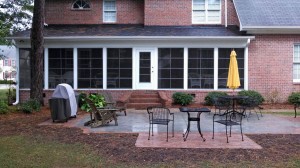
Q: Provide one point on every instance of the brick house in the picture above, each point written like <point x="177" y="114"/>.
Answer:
<point x="131" y="47"/>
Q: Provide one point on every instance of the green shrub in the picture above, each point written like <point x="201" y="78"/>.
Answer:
<point x="212" y="95"/>
<point x="30" y="106"/>
<point x="3" y="107"/>
<point x="97" y="99"/>
<point x="182" y="98"/>
<point x="252" y="94"/>
<point x="294" y="98"/>
<point x="6" y="82"/>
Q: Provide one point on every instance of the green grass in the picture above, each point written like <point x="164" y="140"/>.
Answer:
<point x="20" y="151"/>
<point x="281" y="113"/>
<point x="3" y="95"/>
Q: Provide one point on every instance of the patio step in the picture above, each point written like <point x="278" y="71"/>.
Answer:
<point x="141" y="106"/>
<point x="144" y="99"/>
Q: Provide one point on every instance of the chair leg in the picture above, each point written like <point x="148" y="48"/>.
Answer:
<point x="213" y="127"/>
<point x="167" y="131"/>
<point x="125" y="113"/>
<point x="173" y="127"/>
<point x="149" y="130"/>
<point x="226" y="134"/>
<point x="242" y="131"/>
<point x="152" y="129"/>
<point x="295" y="111"/>
<point x="256" y="114"/>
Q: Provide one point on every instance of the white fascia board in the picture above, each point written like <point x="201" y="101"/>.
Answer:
<point x="136" y="37"/>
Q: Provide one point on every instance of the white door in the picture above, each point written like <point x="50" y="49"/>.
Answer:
<point x="145" y="69"/>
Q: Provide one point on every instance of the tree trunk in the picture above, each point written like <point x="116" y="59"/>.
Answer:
<point x="37" y="52"/>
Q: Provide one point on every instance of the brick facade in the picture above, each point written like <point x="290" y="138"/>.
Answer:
<point x="271" y="66"/>
<point x="147" y="12"/>
<point x="61" y="12"/>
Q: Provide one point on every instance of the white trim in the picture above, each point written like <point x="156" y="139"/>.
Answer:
<point x="246" y="63"/>
<point x="75" y="68"/>
<point x="104" y="65"/>
<point x="18" y="76"/>
<point x="206" y="14"/>
<point x="226" y="13"/>
<point x="137" y="37"/>
<point x="46" y="73"/>
<point x="185" y="68"/>
<point x="216" y="67"/>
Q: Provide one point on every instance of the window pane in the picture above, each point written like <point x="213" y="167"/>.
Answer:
<point x="110" y="17"/>
<point x="200" y="68"/>
<point x="214" y="5"/>
<point x="89" y="68"/>
<point x="60" y="66"/>
<point x="198" y="16"/>
<point x="296" y="71"/>
<point x="213" y="16"/>
<point x="24" y="71"/>
<point x="170" y="68"/>
<point x="224" y="57"/>
<point x="119" y="68"/>
<point x="109" y="5"/>
<point x="297" y="53"/>
<point x="198" y="4"/>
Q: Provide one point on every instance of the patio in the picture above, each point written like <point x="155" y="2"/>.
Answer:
<point x="136" y="121"/>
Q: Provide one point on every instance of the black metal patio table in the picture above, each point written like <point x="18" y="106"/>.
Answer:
<point x="199" y="111"/>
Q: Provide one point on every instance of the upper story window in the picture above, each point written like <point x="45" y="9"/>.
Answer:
<point x="81" y="4"/>
<point x="109" y="11"/>
<point x="6" y="63"/>
<point x="296" y="63"/>
<point x="206" y="12"/>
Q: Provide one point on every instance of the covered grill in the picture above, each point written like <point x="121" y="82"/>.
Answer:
<point x="63" y="104"/>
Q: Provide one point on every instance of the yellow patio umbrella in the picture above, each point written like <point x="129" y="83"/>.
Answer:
<point x="233" y="80"/>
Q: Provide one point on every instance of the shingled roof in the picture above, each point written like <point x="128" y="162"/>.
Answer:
<point x="268" y="13"/>
<point x="95" y="31"/>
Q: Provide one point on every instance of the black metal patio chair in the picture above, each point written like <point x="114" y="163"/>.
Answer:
<point x="248" y="105"/>
<point x="221" y="105"/>
<point x="229" y="119"/>
<point x="160" y="116"/>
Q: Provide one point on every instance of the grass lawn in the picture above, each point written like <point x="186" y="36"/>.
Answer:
<point x="20" y="151"/>
<point x="3" y="95"/>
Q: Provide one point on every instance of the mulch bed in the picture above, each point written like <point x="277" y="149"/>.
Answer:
<point x="120" y="148"/>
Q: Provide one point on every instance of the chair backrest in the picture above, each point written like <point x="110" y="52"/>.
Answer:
<point x="159" y="112"/>
<point x="221" y="103"/>
<point x="108" y="97"/>
<point x="250" y="102"/>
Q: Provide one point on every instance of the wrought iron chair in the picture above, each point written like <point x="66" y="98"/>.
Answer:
<point x="231" y="118"/>
<point x="222" y="105"/>
<point x="160" y="116"/>
<point x="248" y="105"/>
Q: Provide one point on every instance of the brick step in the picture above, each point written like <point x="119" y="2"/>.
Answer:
<point x="138" y="96"/>
<point x="144" y="100"/>
<point x="142" y="106"/>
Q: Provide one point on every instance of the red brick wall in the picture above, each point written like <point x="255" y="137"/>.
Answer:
<point x="232" y="18"/>
<point x="271" y="66"/>
<point x="60" y="12"/>
<point x="168" y="12"/>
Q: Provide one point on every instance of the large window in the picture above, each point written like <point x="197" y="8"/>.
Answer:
<point x="296" y="65"/>
<point x="119" y="68"/>
<point x="109" y="11"/>
<point x="201" y="68"/>
<point x="224" y="57"/>
<point x="81" y="4"/>
<point x="90" y="68"/>
<point x="170" y="68"/>
<point x="24" y="61"/>
<point x="60" y="66"/>
<point x="206" y="11"/>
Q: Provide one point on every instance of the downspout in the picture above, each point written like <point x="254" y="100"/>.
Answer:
<point x="17" y="77"/>
<point x="226" y="13"/>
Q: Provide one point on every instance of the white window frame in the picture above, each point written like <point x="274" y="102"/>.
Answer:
<point x="81" y="6"/>
<point x="104" y="11"/>
<point x="206" y="10"/>
<point x="296" y="62"/>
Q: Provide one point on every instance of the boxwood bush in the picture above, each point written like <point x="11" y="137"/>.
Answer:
<point x="182" y="98"/>
<point x="294" y="98"/>
<point x="252" y="94"/>
<point x="212" y="95"/>
<point x="30" y="106"/>
<point x="3" y="107"/>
